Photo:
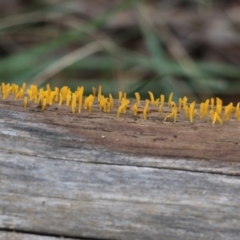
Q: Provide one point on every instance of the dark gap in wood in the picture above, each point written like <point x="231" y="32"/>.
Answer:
<point x="168" y="168"/>
<point x="51" y="234"/>
<point x="215" y="172"/>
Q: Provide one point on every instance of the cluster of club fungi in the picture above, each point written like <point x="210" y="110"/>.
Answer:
<point x="211" y="108"/>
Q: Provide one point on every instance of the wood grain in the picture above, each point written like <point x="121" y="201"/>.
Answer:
<point x="98" y="177"/>
<point x="24" y="236"/>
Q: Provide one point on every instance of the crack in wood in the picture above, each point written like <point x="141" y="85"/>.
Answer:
<point x="46" y="234"/>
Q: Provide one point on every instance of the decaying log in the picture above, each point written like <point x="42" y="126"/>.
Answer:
<point x="100" y="177"/>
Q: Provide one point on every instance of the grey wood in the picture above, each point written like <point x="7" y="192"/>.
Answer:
<point x="58" y="180"/>
<point x="24" y="236"/>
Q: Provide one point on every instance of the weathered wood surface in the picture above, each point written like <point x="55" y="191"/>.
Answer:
<point x="24" y="236"/>
<point x="98" y="177"/>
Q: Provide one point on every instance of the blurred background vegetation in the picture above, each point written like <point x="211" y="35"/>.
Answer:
<point x="190" y="47"/>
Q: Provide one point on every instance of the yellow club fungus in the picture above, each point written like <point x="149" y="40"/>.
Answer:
<point x="162" y="99"/>
<point x="51" y="97"/>
<point x="40" y="97"/>
<point x="105" y="107"/>
<point x="34" y="90"/>
<point x="57" y="94"/>
<point x="237" y="109"/>
<point x="68" y="99"/>
<point x="6" y="89"/>
<point x="103" y="104"/>
<point x="156" y="102"/>
<point x="180" y="103"/>
<point x="216" y="117"/>
<point x="212" y="103"/>
<point x="76" y="94"/>
<point x="228" y="111"/>
<point x="120" y="96"/>
<point x="135" y="109"/>
<point x="146" y="109"/>
<point x="23" y="86"/>
<point x="47" y="95"/>
<point x="25" y="100"/>
<point x="15" y="89"/>
<point x="99" y="92"/>
<point x="89" y="102"/>
<point x="151" y="97"/>
<point x="172" y="114"/>
<point x="64" y="92"/>
<point x="30" y="94"/>
<point x="219" y="109"/>
<point x="60" y="99"/>
<point x="125" y="95"/>
<point x="119" y="111"/>
<point x="206" y="106"/>
<point x="69" y="91"/>
<point x="184" y="104"/>
<point x="211" y="112"/>
<point x="86" y="102"/>
<point x="48" y="88"/>
<point x="138" y="98"/>
<point x="74" y="103"/>
<point x="173" y="104"/>
<point x="218" y="101"/>
<point x="191" y="111"/>
<point x="170" y="99"/>
<point x="175" y="110"/>
<point x="111" y="101"/>
<point x="218" y="106"/>
<point x="123" y="107"/>
<point x="85" y="105"/>
<point x="108" y="105"/>
<point x="90" y="105"/>
<point x="20" y="94"/>
<point x="44" y="104"/>
<point x="80" y="91"/>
